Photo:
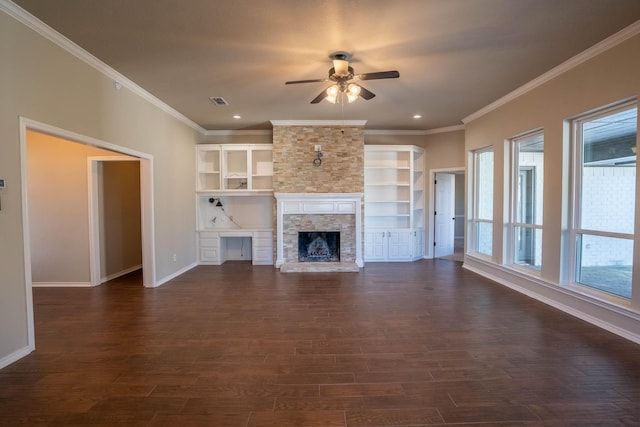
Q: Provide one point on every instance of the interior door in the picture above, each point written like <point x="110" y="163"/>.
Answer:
<point x="444" y="231"/>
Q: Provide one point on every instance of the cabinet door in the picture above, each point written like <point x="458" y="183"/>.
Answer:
<point x="209" y="243"/>
<point x="375" y="245"/>
<point x="400" y="245"/>
<point x="418" y="244"/>
<point x="262" y="248"/>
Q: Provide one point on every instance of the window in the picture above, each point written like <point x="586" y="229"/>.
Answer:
<point x="604" y="198"/>
<point x="527" y="179"/>
<point x="482" y="223"/>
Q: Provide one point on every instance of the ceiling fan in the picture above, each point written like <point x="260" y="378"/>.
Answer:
<point x="343" y="78"/>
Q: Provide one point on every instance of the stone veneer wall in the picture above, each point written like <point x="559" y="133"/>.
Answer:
<point x="342" y="169"/>
<point x="345" y="224"/>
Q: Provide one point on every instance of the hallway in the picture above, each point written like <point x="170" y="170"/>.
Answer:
<point x="403" y="344"/>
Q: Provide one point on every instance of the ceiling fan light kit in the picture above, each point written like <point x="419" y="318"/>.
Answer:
<point x="343" y="75"/>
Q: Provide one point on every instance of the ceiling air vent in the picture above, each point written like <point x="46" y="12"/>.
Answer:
<point x="218" y="100"/>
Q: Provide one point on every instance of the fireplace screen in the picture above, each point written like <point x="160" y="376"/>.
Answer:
<point x="319" y="246"/>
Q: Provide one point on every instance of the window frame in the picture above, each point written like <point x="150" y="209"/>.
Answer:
<point x="514" y="166"/>
<point x="576" y="230"/>
<point x="475" y="217"/>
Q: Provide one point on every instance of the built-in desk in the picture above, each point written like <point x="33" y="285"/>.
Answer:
<point x="213" y="244"/>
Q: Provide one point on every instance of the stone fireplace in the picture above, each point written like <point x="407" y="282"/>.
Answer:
<point x="312" y="198"/>
<point x="339" y="213"/>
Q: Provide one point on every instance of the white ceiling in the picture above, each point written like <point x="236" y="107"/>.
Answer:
<point x="454" y="56"/>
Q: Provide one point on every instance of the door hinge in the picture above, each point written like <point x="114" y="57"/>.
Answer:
<point x="434" y="243"/>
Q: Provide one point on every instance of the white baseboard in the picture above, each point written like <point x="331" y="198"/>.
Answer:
<point x="579" y="300"/>
<point x="61" y="284"/>
<point x="172" y="276"/>
<point x="15" y="356"/>
<point x="120" y="273"/>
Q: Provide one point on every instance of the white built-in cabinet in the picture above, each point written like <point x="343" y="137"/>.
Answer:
<point x="240" y="178"/>
<point x="394" y="216"/>
<point x="234" y="167"/>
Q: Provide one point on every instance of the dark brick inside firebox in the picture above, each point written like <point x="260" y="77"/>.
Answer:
<point x="318" y="246"/>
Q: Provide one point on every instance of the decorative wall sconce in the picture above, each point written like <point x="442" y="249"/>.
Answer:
<point x="318" y="160"/>
<point x="217" y="201"/>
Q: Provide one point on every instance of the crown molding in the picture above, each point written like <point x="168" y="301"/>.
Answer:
<point x="593" y="51"/>
<point x="444" y="129"/>
<point x="356" y="123"/>
<point x="267" y="132"/>
<point x="394" y="132"/>
<point x="414" y="132"/>
<point x="61" y="41"/>
<point x="239" y="132"/>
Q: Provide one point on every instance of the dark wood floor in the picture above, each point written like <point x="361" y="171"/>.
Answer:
<point x="407" y="344"/>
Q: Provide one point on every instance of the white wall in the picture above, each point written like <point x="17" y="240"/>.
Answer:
<point x="46" y="84"/>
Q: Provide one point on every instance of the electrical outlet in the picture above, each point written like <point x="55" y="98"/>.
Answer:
<point x="175" y="258"/>
<point x="318" y="147"/>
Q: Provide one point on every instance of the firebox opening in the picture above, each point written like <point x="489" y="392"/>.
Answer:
<point x="318" y="246"/>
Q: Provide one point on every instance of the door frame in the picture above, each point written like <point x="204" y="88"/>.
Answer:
<point x="445" y="217"/>
<point x="431" y="208"/>
<point x="146" y="199"/>
<point x="94" y="211"/>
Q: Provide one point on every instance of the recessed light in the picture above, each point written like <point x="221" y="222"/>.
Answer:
<point x="417" y="116"/>
<point x="236" y="116"/>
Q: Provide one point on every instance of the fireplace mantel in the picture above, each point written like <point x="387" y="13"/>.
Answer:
<point x="318" y="204"/>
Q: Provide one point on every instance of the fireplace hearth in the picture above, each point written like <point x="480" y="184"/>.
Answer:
<point x="318" y="246"/>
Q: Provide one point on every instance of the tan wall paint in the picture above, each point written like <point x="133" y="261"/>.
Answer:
<point x="444" y="150"/>
<point x="120" y="231"/>
<point x="58" y="208"/>
<point x="44" y="83"/>
<point x="608" y="78"/>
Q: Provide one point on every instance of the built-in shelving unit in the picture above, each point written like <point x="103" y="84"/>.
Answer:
<point x="394" y="202"/>
<point x="208" y="165"/>
<point x="234" y="199"/>
<point x="232" y="168"/>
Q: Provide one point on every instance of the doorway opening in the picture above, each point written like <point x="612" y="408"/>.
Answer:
<point x="447" y="214"/>
<point x="83" y="230"/>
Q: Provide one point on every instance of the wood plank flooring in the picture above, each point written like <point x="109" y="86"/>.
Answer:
<point x="405" y="344"/>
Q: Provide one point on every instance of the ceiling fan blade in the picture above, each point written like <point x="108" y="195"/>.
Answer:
<point x="294" y="82"/>
<point x="366" y="94"/>
<point x="320" y="97"/>
<point x="379" y="75"/>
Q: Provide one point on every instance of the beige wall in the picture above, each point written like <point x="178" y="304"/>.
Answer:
<point x="58" y="208"/>
<point x="120" y="229"/>
<point x="444" y="150"/>
<point x="42" y="82"/>
<point x="610" y="77"/>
